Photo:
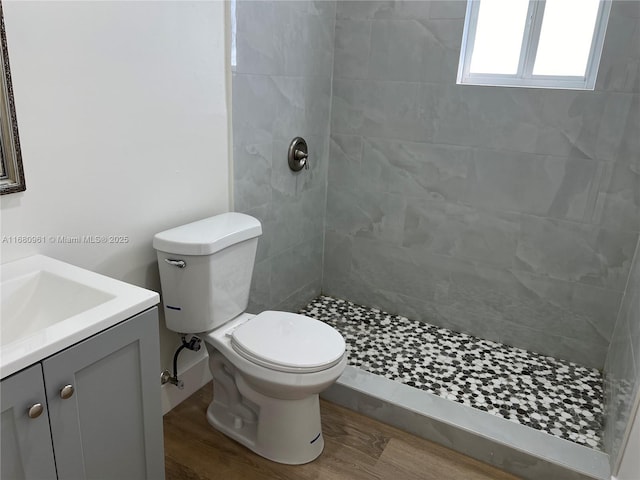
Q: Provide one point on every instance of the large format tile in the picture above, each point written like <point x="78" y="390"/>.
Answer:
<point x="622" y="385"/>
<point x="255" y="103"/>
<point x="352" y="44"/>
<point x="415" y="50"/>
<point x="622" y="368"/>
<point x="345" y="155"/>
<point x="385" y="109"/>
<point x="417" y="169"/>
<point x="307" y="38"/>
<point x="443" y="228"/>
<point x="251" y="165"/>
<point x="547" y="122"/>
<point x="620" y="64"/>
<point x="258" y="47"/>
<point x="296" y="220"/>
<point x="260" y="287"/>
<point x="462" y="294"/>
<point x="548" y="247"/>
<point x="618" y="200"/>
<point x="294" y="268"/>
<point x="302" y="106"/>
<point x="366" y="214"/>
<point x="559" y="187"/>
<point x="284" y="38"/>
<point x="575" y="252"/>
<point x="402" y="9"/>
<point x="528" y="183"/>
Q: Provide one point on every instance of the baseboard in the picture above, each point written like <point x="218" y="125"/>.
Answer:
<point x="195" y="375"/>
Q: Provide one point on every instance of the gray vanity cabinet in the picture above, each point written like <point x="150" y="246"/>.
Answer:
<point x="104" y="407"/>
<point x="27" y="452"/>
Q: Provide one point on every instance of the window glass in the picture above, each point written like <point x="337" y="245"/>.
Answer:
<point x="565" y="38"/>
<point x="498" y="37"/>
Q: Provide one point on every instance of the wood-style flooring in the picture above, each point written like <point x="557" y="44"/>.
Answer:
<point x="356" y="447"/>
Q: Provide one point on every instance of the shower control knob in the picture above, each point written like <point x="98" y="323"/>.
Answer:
<point x="35" y="411"/>
<point x="66" y="392"/>
<point x="298" y="156"/>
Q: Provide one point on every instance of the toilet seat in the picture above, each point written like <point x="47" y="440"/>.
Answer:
<point x="288" y="342"/>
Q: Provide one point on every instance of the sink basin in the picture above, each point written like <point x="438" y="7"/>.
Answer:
<point x="41" y="299"/>
<point x="48" y="305"/>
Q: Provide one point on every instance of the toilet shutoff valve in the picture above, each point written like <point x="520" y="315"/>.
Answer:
<point x="193" y="344"/>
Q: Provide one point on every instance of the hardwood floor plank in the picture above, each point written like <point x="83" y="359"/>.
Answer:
<point x="434" y="463"/>
<point x="356" y="448"/>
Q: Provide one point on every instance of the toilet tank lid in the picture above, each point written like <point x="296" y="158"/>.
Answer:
<point x="208" y="236"/>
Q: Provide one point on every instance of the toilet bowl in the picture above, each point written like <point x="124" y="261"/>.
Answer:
<point x="275" y="413"/>
<point x="268" y="369"/>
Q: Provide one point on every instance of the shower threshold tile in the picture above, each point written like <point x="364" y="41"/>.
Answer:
<point x="555" y="396"/>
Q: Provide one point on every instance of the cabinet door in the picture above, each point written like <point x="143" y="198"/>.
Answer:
<point x="26" y="451"/>
<point x="110" y="427"/>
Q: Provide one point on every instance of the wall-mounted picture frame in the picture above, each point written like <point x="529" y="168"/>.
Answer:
<point x="11" y="169"/>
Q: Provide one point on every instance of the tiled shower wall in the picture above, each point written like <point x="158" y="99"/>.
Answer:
<point x="507" y="213"/>
<point x="282" y="89"/>
<point x="622" y="369"/>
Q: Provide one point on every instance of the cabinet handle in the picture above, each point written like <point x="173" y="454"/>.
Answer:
<point x="35" y="411"/>
<point x="67" y="392"/>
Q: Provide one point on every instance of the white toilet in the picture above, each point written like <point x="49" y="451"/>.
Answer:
<point x="268" y="369"/>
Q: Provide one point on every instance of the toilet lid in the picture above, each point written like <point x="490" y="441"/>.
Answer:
<point x="288" y="342"/>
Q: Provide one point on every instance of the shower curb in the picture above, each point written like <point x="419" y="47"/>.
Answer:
<point x="515" y="448"/>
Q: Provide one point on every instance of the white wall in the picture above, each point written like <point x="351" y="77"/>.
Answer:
<point x="122" y="113"/>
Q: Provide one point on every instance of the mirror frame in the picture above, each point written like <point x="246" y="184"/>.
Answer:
<point x="12" y="175"/>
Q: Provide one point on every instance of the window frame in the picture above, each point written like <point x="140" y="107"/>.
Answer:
<point x="528" y="50"/>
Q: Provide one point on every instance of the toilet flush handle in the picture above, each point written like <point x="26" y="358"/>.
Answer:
<point x="176" y="263"/>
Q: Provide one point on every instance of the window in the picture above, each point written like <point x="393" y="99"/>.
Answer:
<point x="533" y="43"/>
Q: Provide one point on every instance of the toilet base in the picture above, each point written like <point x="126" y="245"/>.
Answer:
<point x="285" y="431"/>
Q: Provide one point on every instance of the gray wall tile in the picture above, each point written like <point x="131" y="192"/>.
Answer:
<point x="252" y="164"/>
<point x="260" y="287"/>
<point x="620" y="65"/>
<point x="297" y="270"/>
<point x="381" y="109"/>
<point x="460" y="231"/>
<point x="282" y="89"/>
<point x="365" y="214"/>
<point x="528" y="183"/>
<point x="414" y="50"/>
<point x="345" y="152"/>
<point x="402" y="9"/>
<point x="353" y="40"/>
<point x="575" y="252"/>
<point x="622" y="368"/>
<point x="417" y="169"/>
<point x="284" y="37"/>
<point x="553" y="317"/>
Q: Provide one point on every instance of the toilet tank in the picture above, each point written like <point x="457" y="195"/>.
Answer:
<point x="205" y="270"/>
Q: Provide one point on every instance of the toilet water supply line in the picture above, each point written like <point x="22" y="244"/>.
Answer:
<point x="166" y="377"/>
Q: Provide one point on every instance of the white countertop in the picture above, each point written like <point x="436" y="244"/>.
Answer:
<point x="48" y="305"/>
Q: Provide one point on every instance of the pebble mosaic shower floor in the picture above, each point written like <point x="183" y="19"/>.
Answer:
<point x="559" y="397"/>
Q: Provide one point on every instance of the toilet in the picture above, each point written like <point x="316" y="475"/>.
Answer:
<point x="268" y="369"/>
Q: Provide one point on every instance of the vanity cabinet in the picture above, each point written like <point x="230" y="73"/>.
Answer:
<point x="27" y="451"/>
<point x="103" y="407"/>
